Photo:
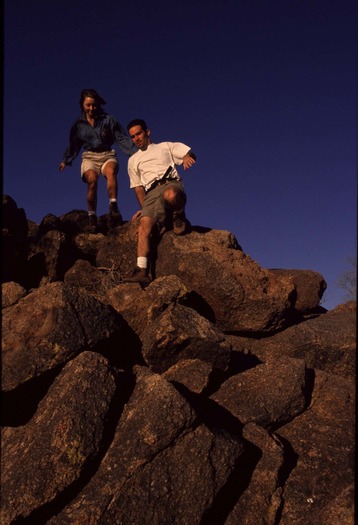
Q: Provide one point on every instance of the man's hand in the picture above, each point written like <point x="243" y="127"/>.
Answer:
<point x="188" y="161"/>
<point x="136" y="215"/>
<point x="61" y="166"/>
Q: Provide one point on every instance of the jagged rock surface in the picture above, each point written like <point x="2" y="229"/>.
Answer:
<point x="222" y="393"/>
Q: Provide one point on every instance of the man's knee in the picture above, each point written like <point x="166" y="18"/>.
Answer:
<point x="174" y="197"/>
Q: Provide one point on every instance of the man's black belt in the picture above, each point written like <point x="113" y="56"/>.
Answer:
<point x="163" y="180"/>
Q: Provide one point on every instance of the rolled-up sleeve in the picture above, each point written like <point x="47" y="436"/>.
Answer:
<point x="74" y="147"/>
<point x="178" y="151"/>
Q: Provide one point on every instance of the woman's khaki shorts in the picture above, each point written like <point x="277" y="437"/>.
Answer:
<point x="97" y="161"/>
<point x="154" y="206"/>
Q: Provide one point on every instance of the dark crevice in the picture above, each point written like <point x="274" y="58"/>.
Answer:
<point x="125" y="385"/>
<point x="235" y="486"/>
<point x="123" y="349"/>
<point x="310" y="380"/>
<point x="239" y="362"/>
<point x="290" y="458"/>
<point x="197" y="302"/>
<point x="221" y="421"/>
<point x="214" y="416"/>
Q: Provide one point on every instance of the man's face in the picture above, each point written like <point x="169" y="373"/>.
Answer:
<point x="140" y="137"/>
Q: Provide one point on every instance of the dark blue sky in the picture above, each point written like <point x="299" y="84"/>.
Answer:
<point x="263" y="91"/>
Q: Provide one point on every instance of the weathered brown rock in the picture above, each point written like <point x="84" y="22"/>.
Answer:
<point x="192" y="373"/>
<point x="33" y="231"/>
<point x="262" y="500"/>
<point x="243" y="296"/>
<point x="141" y="307"/>
<point x="87" y="245"/>
<point x="181" y="333"/>
<point x="11" y="293"/>
<point x="180" y="484"/>
<point x="118" y="250"/>
<point x="74" y="221"/>
<point x="310" y="287"/>
<point x="251" y="420"/>
<point x="159" y="468"/>
<point x="94" y="280"/>
<point x="50" y="326"/>
<point x="42" y="459"/>
<point x="154" y="417"/>
<point x="270" y="394"/>
<point x="55" y="252"/>
<point x="322" y="440"/>
<point x="48" y="223"/>
<point x="326" y="343"/>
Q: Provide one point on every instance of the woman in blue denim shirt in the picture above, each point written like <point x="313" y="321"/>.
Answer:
<point x="96" y="131"/>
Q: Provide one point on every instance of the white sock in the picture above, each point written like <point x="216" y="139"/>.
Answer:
<point x="112" y="200"/>
<point x="142" y="262"/>
<point x="91" y="212"/>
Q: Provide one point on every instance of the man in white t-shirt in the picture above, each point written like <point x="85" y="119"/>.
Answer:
<point x="158" y="188"/>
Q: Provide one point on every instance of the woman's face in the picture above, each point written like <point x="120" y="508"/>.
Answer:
<point x="90" y="106"/>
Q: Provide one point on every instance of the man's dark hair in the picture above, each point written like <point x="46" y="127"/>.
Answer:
<point x="137" y="122"/>
<point x="88" y="92"/>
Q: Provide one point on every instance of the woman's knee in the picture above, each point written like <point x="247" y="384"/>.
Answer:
<point x="91" y="178"/>
<point x="110" y="171"/>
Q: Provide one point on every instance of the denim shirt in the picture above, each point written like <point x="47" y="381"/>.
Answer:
<point x="106" y="131"/>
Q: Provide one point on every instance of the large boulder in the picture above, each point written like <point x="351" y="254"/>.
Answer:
<point x="43" y="458"/>
<point x="50" y="326"/>
<point x="181" y="333"/>
<point x="161" y="466"/>
<point x="11" y="293"/>
<point x="52" y="256"/>
<point x="327" y="342"/>
<point x="322" y="440"/>
<point x="310" y="287"/>
<point x="282" y="395"/>
<point x="118" y="250"/>
<point x="243" y="296"/>
<point x="140" y="308"/>
<point x="261" y="502"/>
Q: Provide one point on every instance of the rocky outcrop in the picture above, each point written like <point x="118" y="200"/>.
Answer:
<point x="221" y="393"/>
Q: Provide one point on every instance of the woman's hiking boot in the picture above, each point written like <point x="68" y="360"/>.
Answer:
<point x="115" y="217"/>
<point x="92" y="224"/>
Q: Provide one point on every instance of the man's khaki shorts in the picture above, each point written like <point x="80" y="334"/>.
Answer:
<point x="97" y="161"/>
<point x="154" y="205"/>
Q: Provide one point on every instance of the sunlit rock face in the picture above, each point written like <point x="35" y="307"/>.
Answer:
<point x="222" y="392"/>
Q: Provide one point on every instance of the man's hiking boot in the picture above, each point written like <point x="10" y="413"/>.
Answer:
<point x="92" y="224"/>
<point x="139" y="275"/>
<point x="179" y="222"/>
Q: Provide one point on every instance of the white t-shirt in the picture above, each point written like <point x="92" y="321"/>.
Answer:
<point x="144" y="167"/>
